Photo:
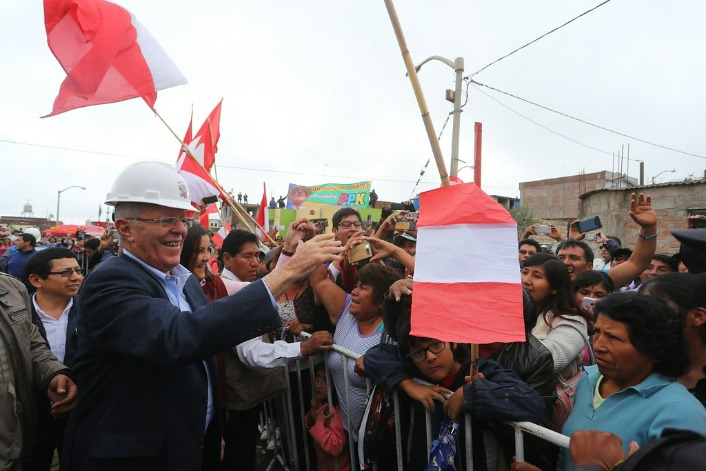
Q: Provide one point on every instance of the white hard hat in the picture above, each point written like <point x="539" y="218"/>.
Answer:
<point x="150" y="182"/>
<point x="34" y="231"/>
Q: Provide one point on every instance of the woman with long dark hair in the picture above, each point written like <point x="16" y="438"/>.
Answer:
<point x="561" y="326"/>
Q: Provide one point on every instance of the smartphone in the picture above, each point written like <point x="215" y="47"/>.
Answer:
<point x="360" y="252"/>
<point x="588" y="303"/>
<point x="209" y="199"/>
<point x="543" y="229"/>
<point x="408" y="222"/>
<point x="590" y="224"/>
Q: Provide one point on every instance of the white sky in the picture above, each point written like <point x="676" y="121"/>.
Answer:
<point x="315" y="91"/>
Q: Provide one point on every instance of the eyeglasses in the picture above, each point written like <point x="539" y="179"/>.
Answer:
<point x="420" y="355"/>
<point x="166" y="221"/>
<point x="348" y="224"/>
<point x="66" y="273"/>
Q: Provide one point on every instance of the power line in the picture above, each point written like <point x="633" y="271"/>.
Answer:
<point x="589" y="123"/>
<point x="535" y="40"/>
<point x="136" y="157"/>
<point x="549" y="129"/>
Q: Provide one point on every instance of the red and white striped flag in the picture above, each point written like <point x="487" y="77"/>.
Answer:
<point x="108" y="56"/>
<point x="219" y="236"/>
<point x="203" y="146"/>
<point x="262" y="218"/>
<point x="467" y="284"/>
<point x="203" y="216"/>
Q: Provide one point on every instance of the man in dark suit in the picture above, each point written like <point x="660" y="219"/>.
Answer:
<point x="147" y="338"/>
<point x="56" y="277"/>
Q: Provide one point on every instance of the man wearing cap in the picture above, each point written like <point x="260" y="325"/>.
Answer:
<point x="147" y="337"/>
<point x="407" y="241"/>
<point x="18" y="261"/>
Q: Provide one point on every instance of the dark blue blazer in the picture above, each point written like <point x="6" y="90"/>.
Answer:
<point x="71" y="337"/>
<point x="142" y="386"/>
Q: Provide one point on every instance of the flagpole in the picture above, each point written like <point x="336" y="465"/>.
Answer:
<point x="416" y="86"/>
<point x="229" y="201"/>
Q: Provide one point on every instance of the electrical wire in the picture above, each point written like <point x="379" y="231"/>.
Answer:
<point x="546" y="128"/>
<point x="537" y="39"/>
<point x="589" y="123"/>
<point x="136" y="157"/>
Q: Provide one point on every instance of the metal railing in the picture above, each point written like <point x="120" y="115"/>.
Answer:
<point x="291" y="424"/>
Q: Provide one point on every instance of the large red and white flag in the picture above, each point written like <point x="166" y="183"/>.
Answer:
<point x="467" y="284"/>
<point x="262" y="217"/>
<point x="219" y="236"/>
<point x="108" y="56"/>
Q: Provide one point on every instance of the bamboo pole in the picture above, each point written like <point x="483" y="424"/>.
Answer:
<point x="228" y="199"/>
<point x="416" y="86"/>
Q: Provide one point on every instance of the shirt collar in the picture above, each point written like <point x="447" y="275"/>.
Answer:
<point x="179" y="273"/>
<point x="43" y="314"/>
<point x="229" y="275"/>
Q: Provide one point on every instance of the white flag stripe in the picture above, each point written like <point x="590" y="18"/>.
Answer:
<point x="165" y="73"/>
<point x="441" y="248"/>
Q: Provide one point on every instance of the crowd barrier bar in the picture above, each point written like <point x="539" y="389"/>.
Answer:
<point x="520" y="428"/>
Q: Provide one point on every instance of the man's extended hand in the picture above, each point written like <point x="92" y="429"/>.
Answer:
<point x="62" y="394"/>
<point x="319" y="341"/>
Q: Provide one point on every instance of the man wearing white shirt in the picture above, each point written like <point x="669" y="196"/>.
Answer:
<point x="56" y="276"/>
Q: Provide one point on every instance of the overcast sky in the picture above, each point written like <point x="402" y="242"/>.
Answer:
<point x="315" y="91"/>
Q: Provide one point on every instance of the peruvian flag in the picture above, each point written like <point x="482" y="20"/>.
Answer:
<point x="219" y="236"/>
<point x="262" y="219"/>
<point x="203" y="146"/>
<point x="108" y="56"/>
<point x="203" y="216"/>
<point x="467" y="284"/>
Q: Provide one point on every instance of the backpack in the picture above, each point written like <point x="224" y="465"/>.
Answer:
<point x="676" y="449"/>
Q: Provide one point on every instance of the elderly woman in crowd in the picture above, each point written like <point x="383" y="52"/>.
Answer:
<point x="631" y="391"/>
<point x="359" y="326"/>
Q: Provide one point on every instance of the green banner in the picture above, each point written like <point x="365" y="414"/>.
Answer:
<point x="356" y="194"/>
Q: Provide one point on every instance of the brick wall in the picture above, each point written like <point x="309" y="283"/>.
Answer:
<point x="672" y="202"/>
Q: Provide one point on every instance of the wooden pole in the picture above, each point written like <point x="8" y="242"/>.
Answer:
<point x="228" y="200"/>
<point x="416" y="86"/>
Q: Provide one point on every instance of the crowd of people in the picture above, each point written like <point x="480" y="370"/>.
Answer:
<point x="151" y="348"/>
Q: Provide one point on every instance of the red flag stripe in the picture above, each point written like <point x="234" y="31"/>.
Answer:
<point x="438" y="308"/>
<point x="451" y="207"/>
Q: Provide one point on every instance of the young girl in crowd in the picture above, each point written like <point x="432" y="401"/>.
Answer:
<point x="325" y="426"/>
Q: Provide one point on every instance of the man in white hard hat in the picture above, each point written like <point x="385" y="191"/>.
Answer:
<point x="147" y="338"/>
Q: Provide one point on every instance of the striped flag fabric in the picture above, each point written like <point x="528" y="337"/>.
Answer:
<point x="219" y="236"/>
<point x="467" y="285"/>
<point x="262" y="217"/>
<point x="108" y="56"/>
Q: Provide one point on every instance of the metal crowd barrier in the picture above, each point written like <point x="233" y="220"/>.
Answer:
<point x="291" y="425"/>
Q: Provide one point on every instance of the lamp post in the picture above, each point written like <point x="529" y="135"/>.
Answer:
<point x="58" y="199"/>
<point x="458" y="66"/>
<point x="660" y="173"/>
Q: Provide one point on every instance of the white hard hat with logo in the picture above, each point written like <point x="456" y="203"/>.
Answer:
<point x="153" y="183"/>
<point x="34" y="231"/>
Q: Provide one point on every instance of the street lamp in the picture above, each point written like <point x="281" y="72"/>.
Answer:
<point x="457" y="65"/>
<point x="660" y="173"/>
<point x="58" y="199"/>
